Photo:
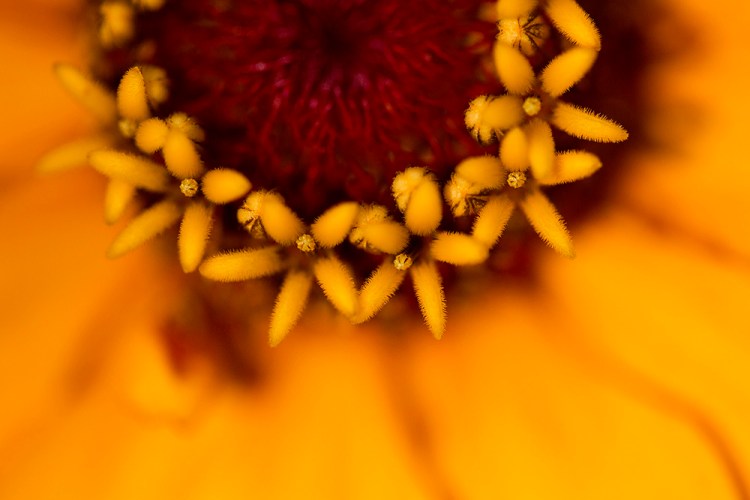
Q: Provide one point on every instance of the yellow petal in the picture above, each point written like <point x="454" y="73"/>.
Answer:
<point x="93" y="96"/>
<point x="279" y="221"/>
<point x="223" y="185"/>
<point x="484" y="172"/>
<point x="574" y="23"/>
<point x="541" y="147"/>
<point x="571" y="166"/>
<point x="513" y="9"/>
<point x="135" y="170"/>
<point x="151" y="135"/>
<point x="378" y="290"/>
<point x="149" y="223"/>
<point x="131" y="96"/>
<point x="425" y="209"/>
<point x="290" y="303"/>
<point x="458" y="249"/>
<point x="242" y="265"/>
<point x="181" y="156"/>
<point x="337" y="282"/>
<point x="117" y="197"/>
<point x="194" y="231"/>
<point x="567" y="69"/>
<point x="428" y="287"/>
<point x="514" y="150"/>
<point x="585" y="124"/>
<point x="387" y="236"/>
<point x="331" y="228"/>
<point x="492" y="219"/>
<point x="513" y="69"/>
<point x="73" y="154"/>
<point x="543" y="216"/>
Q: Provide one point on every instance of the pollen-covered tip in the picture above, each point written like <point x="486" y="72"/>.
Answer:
<point x="492" y="219"/>
<point x="181" y="156"/>
<point x="148" y="224"/>
<point x="513" y="9"/>
<point x="488" y="116"/>
<point x="195" y="229"/>
<point x="223" y="185"/>
<point x="514" y="150"/>
<point x="71" y="155"/>
<point x="332" y="227"/>
<point x="484" y="172"/>
<point x="548" y="224"/>
<point x="574" y="23"/>
<point x="380" y="286"/>
<point x="458" y="249"/>
<point x="541" y="147"/>
<point x="117" y="197"/>
<point x="290" y="303"/>
<point x="135" y="170"/>
<point x="132" y="102"/>
<point x="428" y="287"/>
<point x="585" y="124"/>
<point x="572" y="166"/>
<point x="337" y="282"/>
<point x="567" y="69"/>
<point x="242" y="265"/>
<point x="91" y="94"/>
<point x="513" y="69"/>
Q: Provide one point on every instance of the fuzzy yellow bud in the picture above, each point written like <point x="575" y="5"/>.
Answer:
<point x="195" y="229"/>
<point x="132" y="102"/>
<point x="148" y="224"/>
<point x="428" y="287"/>
<point x="547" y="222"/>
<point x="135" y="170"/>
<point x="223" y="185"/>
<point x="585" y="124"/>
<point x="337" y="282"/>
<point x="513" y="69"/>
<point x="242" y="265"/>
<point x="458" y="249"/>
<point x="290" y="303"/>
<point x="331" y="228"/>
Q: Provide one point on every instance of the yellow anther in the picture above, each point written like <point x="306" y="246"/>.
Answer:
<point x="402" y="262"/>
<point x="189" y="187"/>
<point x="516" y="179"/>
<point x="306" y="243"/>
<point x="117" y="25"/>
<point x="532" y="106"/>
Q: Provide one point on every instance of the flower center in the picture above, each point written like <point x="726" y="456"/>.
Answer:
<point x="324" y="99"/>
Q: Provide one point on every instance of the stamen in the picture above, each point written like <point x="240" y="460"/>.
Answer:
<point x="306" y="243"/>
<point x="516" y="180"/>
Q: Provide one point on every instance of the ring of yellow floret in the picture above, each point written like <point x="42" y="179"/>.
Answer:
<point x="487" y="188"/>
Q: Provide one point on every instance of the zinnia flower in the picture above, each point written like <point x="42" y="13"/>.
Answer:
<point x="620" y="374"/>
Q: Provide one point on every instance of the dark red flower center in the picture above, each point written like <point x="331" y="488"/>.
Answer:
<point x="326" y="99"/>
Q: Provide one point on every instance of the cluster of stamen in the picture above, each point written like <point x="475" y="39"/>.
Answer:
<point x="146" y="153"/>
